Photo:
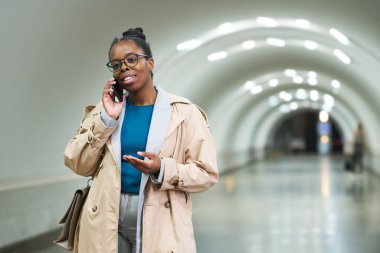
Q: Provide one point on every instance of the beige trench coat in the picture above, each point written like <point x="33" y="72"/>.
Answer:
<point x="180" y="135"/>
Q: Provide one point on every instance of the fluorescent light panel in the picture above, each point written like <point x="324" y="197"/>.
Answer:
<point x="273" y="82"/>
<point x="249" y="44"/>
<point x="276" y="42"/>
<point x="187" y="45"/>
<point x="323" y="116"/>
<point x="314" y="95"/>
<point x="273" y="101"/>
<point x="297" y="79"/>
<point x="226" y="27"/>
<point x="301" y="94"/>
<point x="312" y="81"/>
<point x="293" y="106"/>
<point x="285" y="96"/>
<point x="302" y="23"/>
<point x="329" y="100"/>
<point x="311" y="45"/>
<point x="248" y="85"/>
<point x="267" y="21"/>
<point x="342" y="56"/>
<point x="290" y="72"/>
<point x="335" y="84"/>
<point x="339" y="36"/>
<point x="256" y="89"/>
<point x="217" y="56"/>
<point x="312" y="74"/>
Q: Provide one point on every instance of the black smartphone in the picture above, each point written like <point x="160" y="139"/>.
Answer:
<point x="118" y="90"/>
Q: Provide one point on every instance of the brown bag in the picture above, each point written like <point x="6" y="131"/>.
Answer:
<point x="71" y="219"/>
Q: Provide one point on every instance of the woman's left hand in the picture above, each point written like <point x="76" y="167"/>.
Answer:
<point x="150" y="166"/>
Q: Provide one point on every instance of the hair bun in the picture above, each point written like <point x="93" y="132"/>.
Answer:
<point x="135" y="32"/>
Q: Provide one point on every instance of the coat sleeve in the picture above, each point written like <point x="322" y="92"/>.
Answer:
<point x="199" y="171"/>
<point x="84" y="151"/>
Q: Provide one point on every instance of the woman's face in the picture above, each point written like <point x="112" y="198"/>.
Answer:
<point x="131" y="78"/>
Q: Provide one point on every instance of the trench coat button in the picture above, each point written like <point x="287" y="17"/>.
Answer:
<point x="94" y="208"/>
<point x="167" y="204"/>
<point x="89" y="139"/>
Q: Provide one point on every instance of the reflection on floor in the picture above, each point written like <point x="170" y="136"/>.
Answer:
<point x="294" y="204"/>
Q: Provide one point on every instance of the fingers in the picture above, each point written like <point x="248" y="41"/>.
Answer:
<point x="134" y="160"/>
<point x="150" y="155"/>
<point x="110" y="83"/>
<point x="148" y="167"/>
<point x="139" y="164"/>
<point x="108" y="90"/>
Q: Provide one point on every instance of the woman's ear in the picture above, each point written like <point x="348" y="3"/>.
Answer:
<point x="150" y="64"/>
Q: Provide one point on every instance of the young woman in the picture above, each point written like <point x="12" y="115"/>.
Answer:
<point x="146" y="154"/>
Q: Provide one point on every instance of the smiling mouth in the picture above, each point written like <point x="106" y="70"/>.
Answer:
<point x="129" y="78"/>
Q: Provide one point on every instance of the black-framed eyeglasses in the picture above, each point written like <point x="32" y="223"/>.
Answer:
<point x="130" y="60"/>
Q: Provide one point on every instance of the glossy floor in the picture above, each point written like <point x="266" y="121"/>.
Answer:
<point x="293" y="204"/>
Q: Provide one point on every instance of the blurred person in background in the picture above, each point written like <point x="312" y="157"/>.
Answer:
<point x="358" y="149"/>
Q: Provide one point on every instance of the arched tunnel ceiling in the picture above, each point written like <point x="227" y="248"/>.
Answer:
<point x="219" y="79"/>
<point x="76" y="36"/>
<point x="267" y="124"/>
<point x="251" y="116"/>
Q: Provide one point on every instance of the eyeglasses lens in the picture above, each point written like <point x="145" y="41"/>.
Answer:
<point x="129" y="60"/>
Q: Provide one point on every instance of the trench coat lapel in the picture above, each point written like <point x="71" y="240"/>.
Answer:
<point x="175" y="120"/>
<point x="157" y="132"/>
<point x="158" y="127"/>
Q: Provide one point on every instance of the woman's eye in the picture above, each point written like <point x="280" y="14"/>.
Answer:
<point x="116" y="65"/>
<point x="132" y="59"/>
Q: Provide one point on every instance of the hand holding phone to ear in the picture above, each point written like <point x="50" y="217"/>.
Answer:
<point x="112" y="107"/>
